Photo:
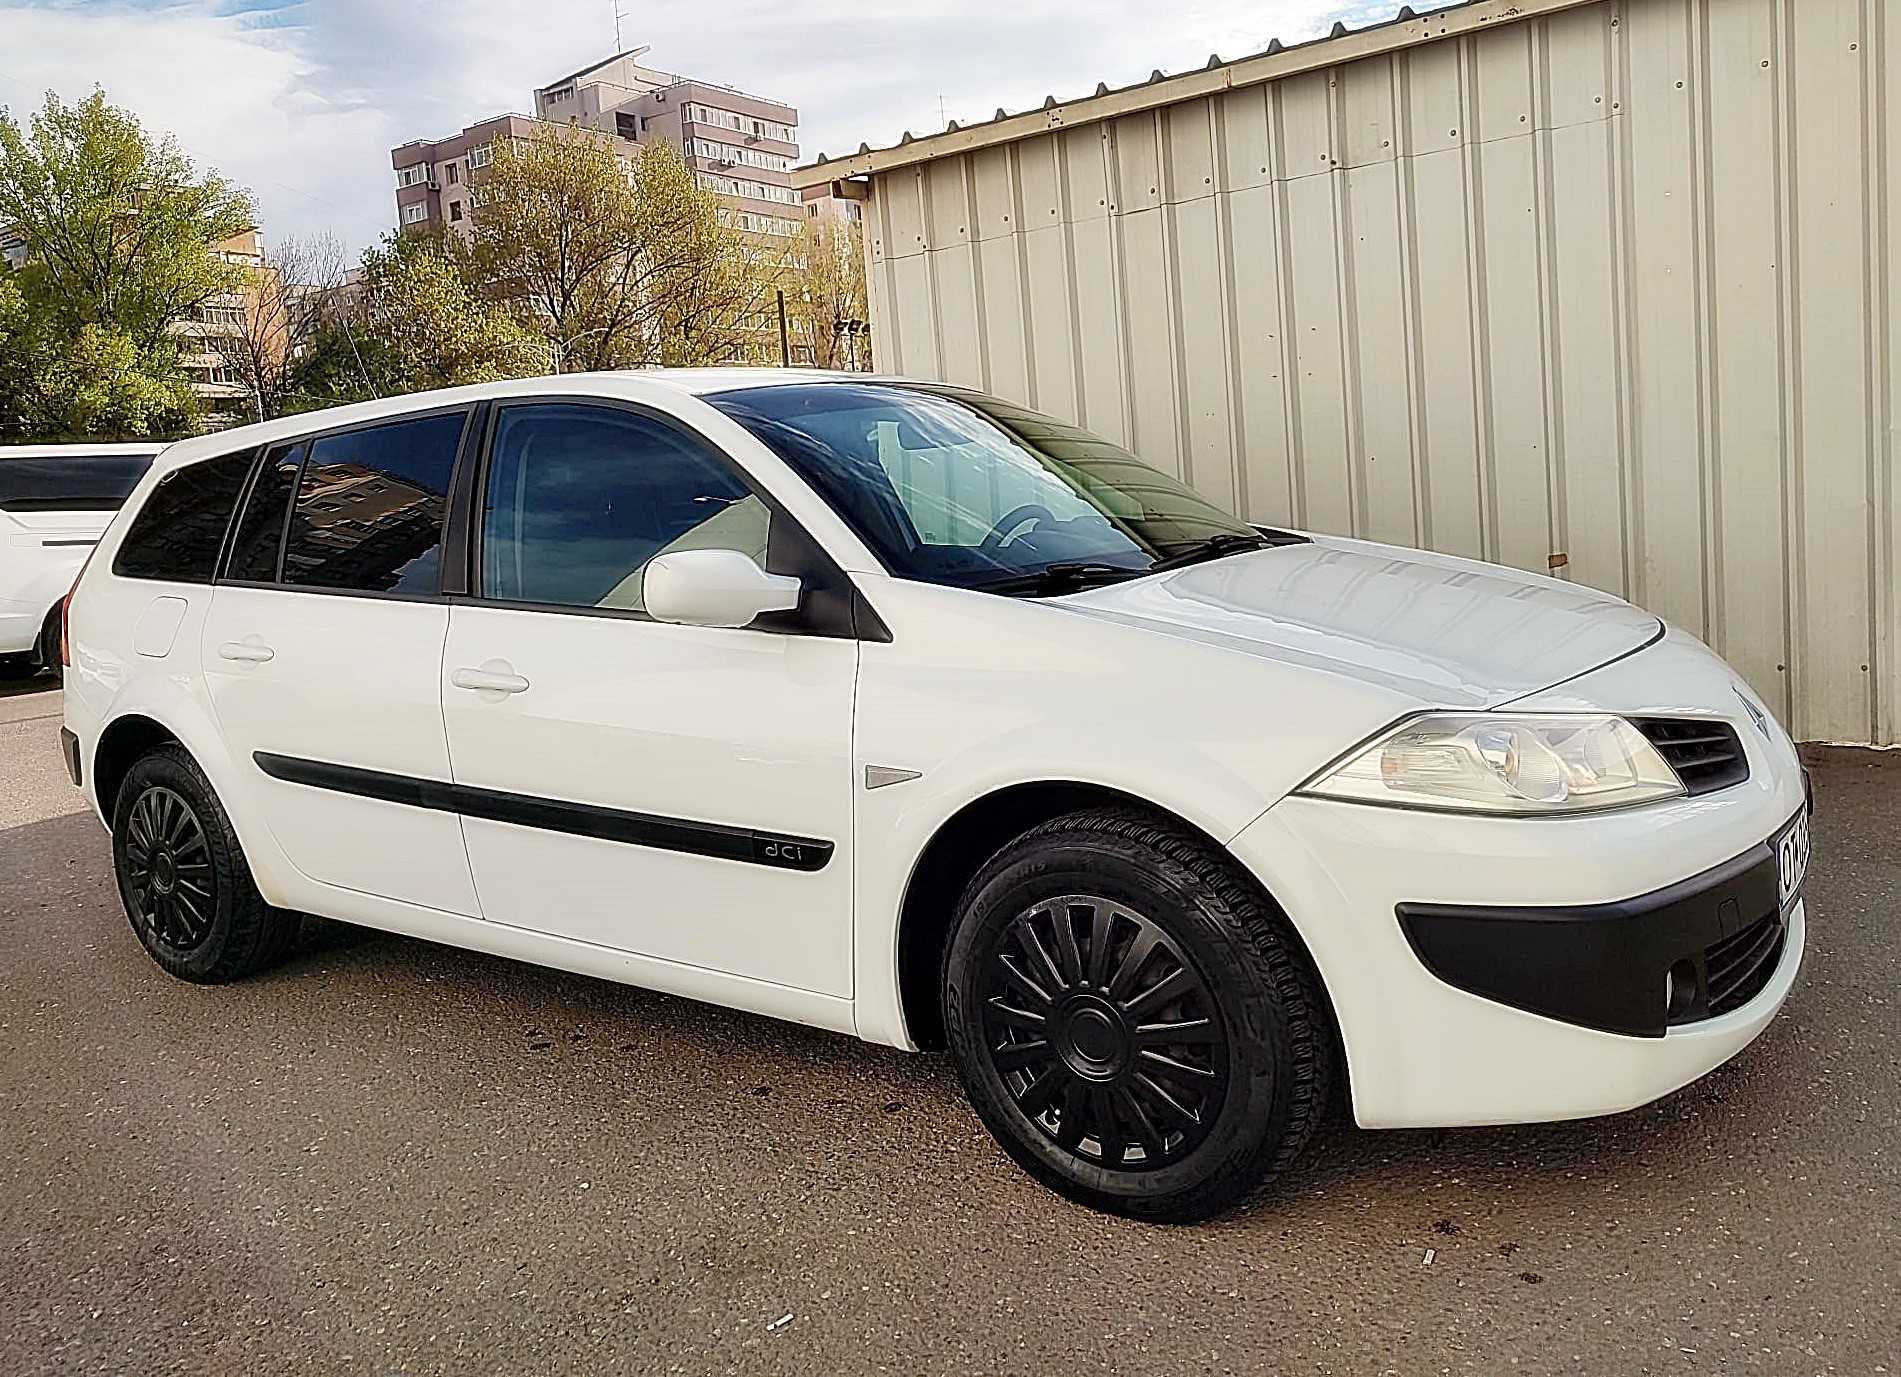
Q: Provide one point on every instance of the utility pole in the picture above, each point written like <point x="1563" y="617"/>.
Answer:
<point x="785" y="338"/>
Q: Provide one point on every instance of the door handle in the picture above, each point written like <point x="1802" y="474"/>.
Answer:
<point x="249" y="651"/>
<point x="488" y="681"/>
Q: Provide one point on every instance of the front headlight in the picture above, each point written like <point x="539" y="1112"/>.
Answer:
<point x="1485" y="763"/>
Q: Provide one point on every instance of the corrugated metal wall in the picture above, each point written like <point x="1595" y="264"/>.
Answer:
<point x="1614" y="283"/>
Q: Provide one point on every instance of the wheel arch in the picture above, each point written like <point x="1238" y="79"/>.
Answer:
<point x="974" y="833"/>
<point x="121" y="744"/>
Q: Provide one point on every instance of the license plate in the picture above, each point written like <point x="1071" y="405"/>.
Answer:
<point x="1792" y="859"/>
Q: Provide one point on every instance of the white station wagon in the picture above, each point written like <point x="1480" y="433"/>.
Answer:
<point x="54" y="502"/>
<point x="902" y="711"/>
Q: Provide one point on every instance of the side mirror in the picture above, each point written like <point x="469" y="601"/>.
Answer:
<point x="714" y="588"/>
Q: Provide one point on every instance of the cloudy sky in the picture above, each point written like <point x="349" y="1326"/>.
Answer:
<point x="301" y="100"/>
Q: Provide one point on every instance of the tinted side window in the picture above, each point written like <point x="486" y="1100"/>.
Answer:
<point x="579" y="498"/>
<point x="370" y="507"/>
<point x="260" y="530"/>
<point x="177" y="532"/>
<point x="73" y="483"/>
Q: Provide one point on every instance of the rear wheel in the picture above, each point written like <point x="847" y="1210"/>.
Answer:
<point x="1131" y="1018"/>
<point x="47" y="648"/>
<point x="183" y="878"/>
<point x="44" y="655"/>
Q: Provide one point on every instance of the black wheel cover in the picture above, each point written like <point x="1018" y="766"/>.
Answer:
<point x="1103" y="1033"/>
<point x="168" y="870"/>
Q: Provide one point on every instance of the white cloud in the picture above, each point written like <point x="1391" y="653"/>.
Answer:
<point x="302" y="101"/>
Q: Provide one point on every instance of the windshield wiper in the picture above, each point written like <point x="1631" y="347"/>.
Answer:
<point x="1214" y="547"/>
<point x="1062" y="577"/>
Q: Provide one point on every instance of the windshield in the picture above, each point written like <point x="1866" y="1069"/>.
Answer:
<point x="953" y="487"/>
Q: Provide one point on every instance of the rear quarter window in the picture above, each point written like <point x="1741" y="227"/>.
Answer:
<point x="178" y="531"/>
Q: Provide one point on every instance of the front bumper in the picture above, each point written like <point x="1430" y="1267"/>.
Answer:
<point x="1422" y="1052"/>
<point x="1639" y="890"/>
<point x="1680" y="954"/>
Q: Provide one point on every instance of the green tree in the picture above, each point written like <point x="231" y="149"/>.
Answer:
<point x="422" y="311"/>
<point x="825" y="293"/>
<point x="96" y="381"/>
<point x="119" y="223"/>
<point x="345" y="361"/>
<point x="614" y="265"/>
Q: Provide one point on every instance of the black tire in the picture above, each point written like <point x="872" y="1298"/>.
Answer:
<point x="46" y="649"/>
<point x="182" y="875"/>
<point x="44" y="654"/>
<point x="1184" y="1058"/>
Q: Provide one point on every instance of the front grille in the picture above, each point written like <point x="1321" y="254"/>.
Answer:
<point x="1734" y="971"/>
<point x="1738" y="967"/>
<point x="1706" y="754"/>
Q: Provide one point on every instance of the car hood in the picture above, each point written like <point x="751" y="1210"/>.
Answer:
<point x="1446" y="632"/>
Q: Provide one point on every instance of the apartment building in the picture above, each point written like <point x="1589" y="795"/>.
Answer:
<point x="740" y="146"/>
<point x="823" y="203"/>
<point x="206" y="338"/>
<point x="432" y="175"/>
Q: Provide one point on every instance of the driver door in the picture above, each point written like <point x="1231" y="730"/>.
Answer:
<point x="679" y="792"/>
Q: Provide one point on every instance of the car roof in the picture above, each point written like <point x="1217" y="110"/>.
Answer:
<point x="80" y="449"/>
<point x="634" y="384"/>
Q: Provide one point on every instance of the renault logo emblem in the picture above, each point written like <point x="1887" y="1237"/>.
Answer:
<point x="1756" y="714"/>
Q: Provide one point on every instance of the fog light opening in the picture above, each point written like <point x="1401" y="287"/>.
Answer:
<point x="1680" y="989"/>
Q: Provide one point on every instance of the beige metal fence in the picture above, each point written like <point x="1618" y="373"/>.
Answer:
<point x="1609" y="288"/>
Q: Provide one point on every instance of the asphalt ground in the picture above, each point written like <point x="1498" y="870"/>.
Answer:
<point x="394" y="1158"/>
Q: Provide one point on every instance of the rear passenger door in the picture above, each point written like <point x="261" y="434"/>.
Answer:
<point x="323" y="651"/>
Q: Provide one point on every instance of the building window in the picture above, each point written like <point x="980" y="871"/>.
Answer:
<point x="410" y="176"/>
<point x="455" y="174"/>
<point x="481" y="157"/>
<point x="455" y="212"/>
<point x="758" y="224"/>
<point x="737" y="153"/>
<point x="741" y="124"/>
<point x="626" y="125"/>
<point x="745" y="186"/>
<point x="415" y="214"/>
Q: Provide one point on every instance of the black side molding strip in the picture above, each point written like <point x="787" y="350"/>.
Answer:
<point x="555" y="815"/>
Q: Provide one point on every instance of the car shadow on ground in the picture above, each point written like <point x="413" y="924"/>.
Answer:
<point x="1343" y="1159"/>
<point x="55" y="877"/>
<point x="13" y="685"/>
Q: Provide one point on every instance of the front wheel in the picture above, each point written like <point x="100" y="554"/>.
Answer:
<point x="1131" y="1018"/>
<point x="182" y="875"/>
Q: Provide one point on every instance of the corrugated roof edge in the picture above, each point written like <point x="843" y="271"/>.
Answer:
<point x="1406" y="29"/>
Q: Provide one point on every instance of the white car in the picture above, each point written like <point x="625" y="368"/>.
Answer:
<point x="898" y="710"/>
<point x="54" y="502"/>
